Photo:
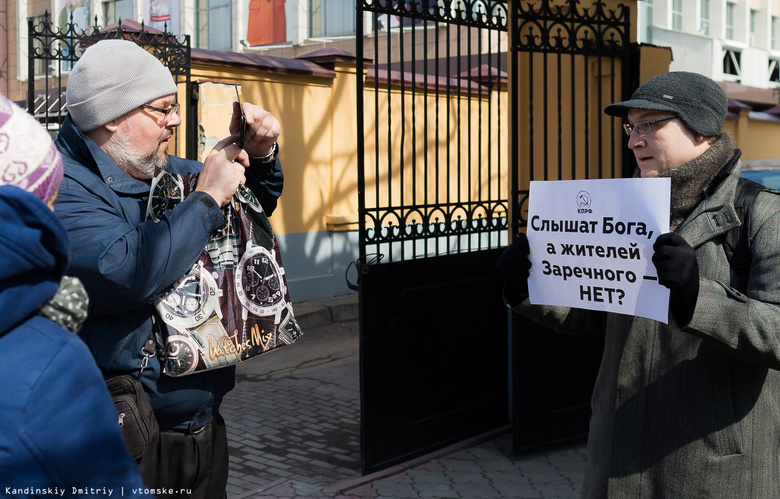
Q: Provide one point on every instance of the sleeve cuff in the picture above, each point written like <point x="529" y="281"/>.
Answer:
<point x="511" y="299"/>
<point x="214" y="212"/>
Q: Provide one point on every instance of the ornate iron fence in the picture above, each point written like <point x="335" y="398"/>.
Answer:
<point x="431" y="144"/>
<point x="577" y="60"/>
<point x="53" y="50"/>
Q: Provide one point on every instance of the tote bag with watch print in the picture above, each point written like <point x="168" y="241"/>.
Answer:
<point x="233" y="304"/>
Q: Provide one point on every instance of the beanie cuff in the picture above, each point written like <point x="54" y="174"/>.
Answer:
<point x="112" y="78"/>
<point x="115" y="102"/>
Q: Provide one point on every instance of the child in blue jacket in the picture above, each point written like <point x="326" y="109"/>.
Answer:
<point x="59" y="431"/>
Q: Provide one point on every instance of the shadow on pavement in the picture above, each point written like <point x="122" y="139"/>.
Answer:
<point x="293" y="424"/>
<point x="295" y="413"/>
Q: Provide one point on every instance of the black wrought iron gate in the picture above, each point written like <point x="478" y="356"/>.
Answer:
<point x="53" y="50"/>
<point x="568" y="61"/>
<point x="433" y="217"/>
<point x="463" y="103"/>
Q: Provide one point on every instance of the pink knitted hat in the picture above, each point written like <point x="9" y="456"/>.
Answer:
<point x="28" y="157"/>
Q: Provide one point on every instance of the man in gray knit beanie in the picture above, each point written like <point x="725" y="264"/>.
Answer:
<point x="686" y="408"/>
<point x="131" y="243"/>
<point x="111" y="79"/>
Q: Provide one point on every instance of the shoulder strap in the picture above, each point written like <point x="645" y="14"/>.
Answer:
<point x="737" y="245"/>
<point x="150" y="345"/>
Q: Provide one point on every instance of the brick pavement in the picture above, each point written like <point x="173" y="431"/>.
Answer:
<point x="290" y="429"/>
<point x="294" y="432"/>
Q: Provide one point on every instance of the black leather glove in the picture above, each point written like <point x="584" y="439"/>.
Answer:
<point x="513" y="265"/>
<point x="678" y="270"/>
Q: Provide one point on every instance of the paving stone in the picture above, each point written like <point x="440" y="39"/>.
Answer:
<point x="295" y="435"/>
<point x="395" y="489"/>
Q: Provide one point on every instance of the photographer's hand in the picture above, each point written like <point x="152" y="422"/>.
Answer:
<point x="262" y="128"/>
<point x="223" y="170"/>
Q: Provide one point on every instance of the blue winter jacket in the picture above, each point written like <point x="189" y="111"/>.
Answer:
<point x="126" y="262"/>
<point x="58" y="425"/>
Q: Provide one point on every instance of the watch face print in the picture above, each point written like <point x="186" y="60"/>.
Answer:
<point x="184" y="301"/>
<point x="248" y="197"/>
<point x="182" y="355"/>
<point x="191" y="300"/>
<point x="166" y="192"/>
<point x="259" y="282"/>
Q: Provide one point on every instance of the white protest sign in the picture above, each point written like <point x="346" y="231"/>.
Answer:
<point x="592" y="244"/>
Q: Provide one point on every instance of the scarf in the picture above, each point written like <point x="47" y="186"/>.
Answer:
<point x="691" y="180"/>
<point x="68" y="308"/>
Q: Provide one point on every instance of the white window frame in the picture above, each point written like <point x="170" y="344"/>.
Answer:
<point x="677" y="14"/>
<point x="735" y="56"/>
<point x="731" y="12"/>
<point x="704" y="17"/>
<point x="775" y="44"/>
<point x="753" y="19"/>
<point x="774" y="67"/>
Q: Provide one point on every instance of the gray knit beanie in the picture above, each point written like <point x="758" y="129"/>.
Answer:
<point x="112" y="78"/>
<point x="696" y="99"/>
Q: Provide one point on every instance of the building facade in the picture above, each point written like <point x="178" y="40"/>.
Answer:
<point x="736" y="43"/>
<point x="317" y="219"/>
<point x="733" y="43"/>
<point x="234" y="25"/>
<point x="286" y="27"/>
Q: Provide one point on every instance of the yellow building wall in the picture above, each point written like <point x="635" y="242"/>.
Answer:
<point x="319" y="146"/>
<point x="653" y="61"/>
<point x="318" y="143"/>
<point x="304" y="107"/>
<point x="558" y="138"/>
<point x="441" y="164"/>
<point x="757" y="138"/>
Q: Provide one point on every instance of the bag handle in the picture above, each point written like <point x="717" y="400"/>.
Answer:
<point x="148" y="349"/>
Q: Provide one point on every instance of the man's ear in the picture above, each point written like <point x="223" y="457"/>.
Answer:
<point x="113" y="125"/>
<point x="103" y="133"/>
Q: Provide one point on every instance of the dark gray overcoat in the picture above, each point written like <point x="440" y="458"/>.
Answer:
<point x="693" y="412"/>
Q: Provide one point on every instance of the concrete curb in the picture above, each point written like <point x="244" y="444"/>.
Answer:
<point x="342" y="487"/>
<point x="335" y="309"/>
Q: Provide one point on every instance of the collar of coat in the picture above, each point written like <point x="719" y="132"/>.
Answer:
<point x="715" y="214"/>
<point x="691" y="180"/>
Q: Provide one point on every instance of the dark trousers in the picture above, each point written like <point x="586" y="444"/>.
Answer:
<point x="192" y="464"/>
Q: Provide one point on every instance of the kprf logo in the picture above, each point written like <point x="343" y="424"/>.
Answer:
<point x="583" y="202"/>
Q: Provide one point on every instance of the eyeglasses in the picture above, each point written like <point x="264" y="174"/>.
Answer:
<point x="165" y="112"/>
<point x="643" y="126"/>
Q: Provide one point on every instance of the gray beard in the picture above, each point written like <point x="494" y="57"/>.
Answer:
<point x="131" y="162"/>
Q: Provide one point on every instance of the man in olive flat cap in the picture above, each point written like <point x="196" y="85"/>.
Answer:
<point x="688" y="408"/>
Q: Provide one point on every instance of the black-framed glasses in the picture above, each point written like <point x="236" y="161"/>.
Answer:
<point x="643" y="126"/>
<point x="167" y="113"/>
